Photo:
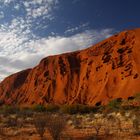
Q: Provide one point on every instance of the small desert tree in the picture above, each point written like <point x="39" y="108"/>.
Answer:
<point x="56" y="126"/>
<point x="136" y="123"/>
<point x="76" y="122"/>
<point x="97" y="125"/>
<point x="40" y="122"/>
<point x="2" y="131"/>
<point x="107" y="126"/>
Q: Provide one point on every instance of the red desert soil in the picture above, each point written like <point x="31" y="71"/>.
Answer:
<point x="107" y="70"/>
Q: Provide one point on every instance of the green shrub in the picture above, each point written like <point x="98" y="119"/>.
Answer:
<point x="39" y="108"/>
<point x="99" y="109"/>
<point x="25" y="112"/>
<point x="76" y="108"/>
<point x="115" y="104"/>
<point x="2" y="102"/>
<point x="130" y="107"/>
<point x="84" y="109"/>
<point x="137" y="96"/>
<point x="68" y="109"/>
<point x="52" y="108"/>
<point x="7" y="109"/>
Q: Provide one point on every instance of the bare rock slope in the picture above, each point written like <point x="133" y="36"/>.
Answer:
<point x="107" y="70"/>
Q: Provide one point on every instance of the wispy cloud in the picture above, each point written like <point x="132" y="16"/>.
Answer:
<point x="77" y="28"/>
<point x="17" y="53"/>
<point x="1" y="15"/>
<point x="37" y="8"/>
<point x="75" y="1"/>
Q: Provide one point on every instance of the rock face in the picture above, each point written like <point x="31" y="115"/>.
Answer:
<point x="107" y="70"/>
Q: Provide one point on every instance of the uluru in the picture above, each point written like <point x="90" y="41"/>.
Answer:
<point x="98" y="74"/>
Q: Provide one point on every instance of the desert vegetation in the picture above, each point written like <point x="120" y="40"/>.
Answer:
<point x="118" y="120"/>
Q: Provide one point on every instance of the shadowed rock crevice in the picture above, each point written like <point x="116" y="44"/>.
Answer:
<point x="62" y="66"/>
<point x="74" y="63"/>
<point x="20" y="78"/>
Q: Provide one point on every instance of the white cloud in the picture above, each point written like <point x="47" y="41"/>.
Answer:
<point x="7" y="1"/>
<point x="37" y="8"/>
<point x="71" y="30"/>
<point x="32" y="8"/>
<point x="17" y="6"/>
<point x="18" y="51"/>
<point x="1" y="15"/>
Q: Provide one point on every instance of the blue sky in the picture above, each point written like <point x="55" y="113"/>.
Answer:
<point x="33" y="29"/>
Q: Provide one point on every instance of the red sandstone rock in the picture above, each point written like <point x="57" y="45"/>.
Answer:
<point x="107" y="70"/>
